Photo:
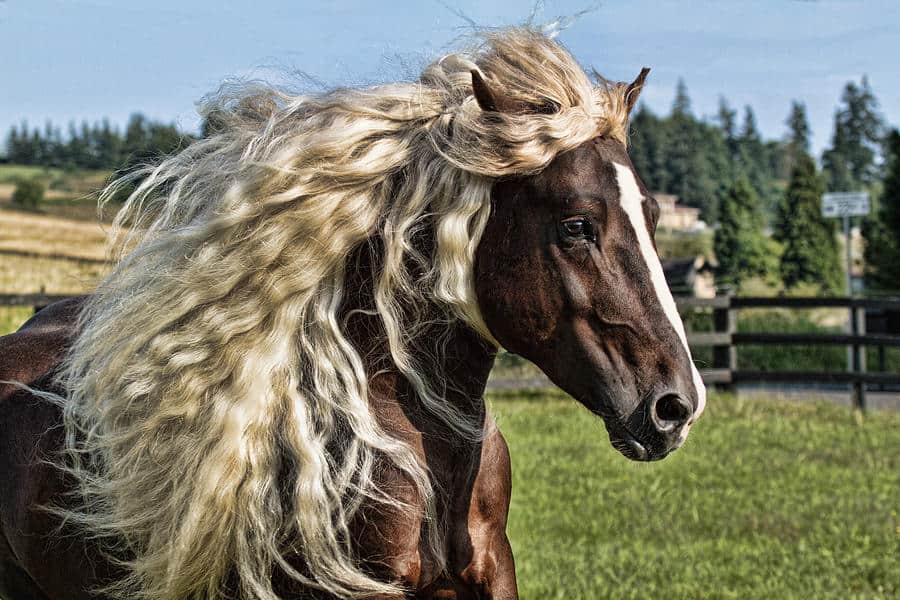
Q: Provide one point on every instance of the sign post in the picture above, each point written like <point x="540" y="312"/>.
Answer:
<point x="846" y="205"/>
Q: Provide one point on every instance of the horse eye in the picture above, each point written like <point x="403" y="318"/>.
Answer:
<point x="577" y="228"/>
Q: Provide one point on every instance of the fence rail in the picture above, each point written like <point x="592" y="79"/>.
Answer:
<point x="725" y="340"/>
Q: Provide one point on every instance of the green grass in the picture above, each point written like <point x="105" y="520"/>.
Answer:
<point x="11" y="318"/>
<point x="767" y="500"/>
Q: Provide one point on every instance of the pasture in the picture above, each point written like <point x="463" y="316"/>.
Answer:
<point x="32" y="251"/>
<point x="766" y="500"/>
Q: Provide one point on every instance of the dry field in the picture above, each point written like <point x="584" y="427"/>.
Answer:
<point x="32" y="251"/>
<point x="47" y="236"/>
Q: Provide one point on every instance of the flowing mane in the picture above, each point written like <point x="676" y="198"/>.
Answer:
<point x="212" y="381"/>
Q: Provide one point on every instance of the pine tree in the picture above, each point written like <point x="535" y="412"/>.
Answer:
<point x="798" y="128"/>
<point x="852" y="160"/>
<point x="109" y="145"/>
<point x="36" y="150"/>
<point x="882" y="233"/>
<point x="727" y="119"/>
<point x="76" y="148"/>
<point x="798" y="136"/>
<point x="694" y="157"/>
<point x="681" y="148"/>
<point x="13" y="144"/>
<point x="136" y="136"/>
<point x="646" y="147"/>
<point x="681" y="107"/>
<point x="753" y="161"/>
<point x="740" y="243"/>
<point x="811" y="252"/>
<point x="797" y="143"/>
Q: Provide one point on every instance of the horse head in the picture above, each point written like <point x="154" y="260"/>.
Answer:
<point x="567" y="275"/>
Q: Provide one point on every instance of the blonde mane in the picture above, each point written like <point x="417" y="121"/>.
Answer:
<point x="212" y="379"/>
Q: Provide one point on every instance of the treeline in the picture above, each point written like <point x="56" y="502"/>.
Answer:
<point x="698" y="160"/>
<point x="94" y="146"/>
<point x="765" y="196"/>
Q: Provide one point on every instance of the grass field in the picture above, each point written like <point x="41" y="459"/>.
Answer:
<point x="40" y="234"/>
<point x="46" y="238"/>
<point x="766" y="500"/>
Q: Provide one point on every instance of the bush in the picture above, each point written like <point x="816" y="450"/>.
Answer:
<point x="28" y="193"/>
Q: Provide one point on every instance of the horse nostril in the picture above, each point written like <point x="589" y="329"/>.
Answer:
<point x="669" y="412"/>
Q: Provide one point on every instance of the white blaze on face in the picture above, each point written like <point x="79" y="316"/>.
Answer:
<point x="631" y="200"/>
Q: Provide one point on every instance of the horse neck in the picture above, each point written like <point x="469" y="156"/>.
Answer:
<point x="462" y="363"/>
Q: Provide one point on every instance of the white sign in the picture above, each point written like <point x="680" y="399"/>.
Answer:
<point x="845" y="204"/>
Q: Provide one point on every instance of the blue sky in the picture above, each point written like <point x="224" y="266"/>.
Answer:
<point x="86" y="59"/>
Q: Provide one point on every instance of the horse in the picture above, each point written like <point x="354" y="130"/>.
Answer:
<point x="278" y="391"/>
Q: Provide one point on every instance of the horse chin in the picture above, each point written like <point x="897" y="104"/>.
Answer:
<point x="631" y="447"/>
<point x="634" y="450"/>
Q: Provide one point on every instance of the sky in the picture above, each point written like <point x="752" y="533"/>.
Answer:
<point x="66" y="60"/>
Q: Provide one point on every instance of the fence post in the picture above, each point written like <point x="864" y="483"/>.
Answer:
<point x="858" y="325"/>
<point x="725" y="357"/>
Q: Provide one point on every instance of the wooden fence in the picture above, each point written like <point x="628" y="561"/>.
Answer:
<point x="725" y="339"/>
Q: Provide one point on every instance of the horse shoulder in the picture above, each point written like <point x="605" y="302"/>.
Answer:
<point x="36" y="348"/>
<point x="30" y="433"/>
<point x="29" y="357"/>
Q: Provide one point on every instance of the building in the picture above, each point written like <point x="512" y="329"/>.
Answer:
<point x="690" y="277"/>
<point x="675" y="217"/>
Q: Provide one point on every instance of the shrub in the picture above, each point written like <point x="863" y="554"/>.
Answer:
<point x="28" y="193"/>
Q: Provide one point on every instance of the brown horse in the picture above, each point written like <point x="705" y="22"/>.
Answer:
<point x="560" y="268"/>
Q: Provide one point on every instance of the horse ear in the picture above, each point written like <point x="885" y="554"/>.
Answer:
<point x="489" y="100"/>
<point x="634" y="89"/>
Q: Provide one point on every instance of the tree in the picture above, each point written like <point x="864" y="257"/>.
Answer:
<point x="798" y="135"/>
<point x="13" y="144"/>
<point x="682" y="155"/>
<point x="811" y="252"/>
<point x="753" y="160"/>
<point x="94" y="146"/>
<point x="109" y="145"/>
<point x="20" y="146"/>
<point x="741" y="247"/>
<point x="28" y="193"/>
<point x="647" y="146"/>
<point x="695" y="157"/>
<point x="852" y="160"/>
<point x="882" y="234"/>
<point x="77" y="149"/>
<point x="681" y="107"/>
<point x="727" y="119"/>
